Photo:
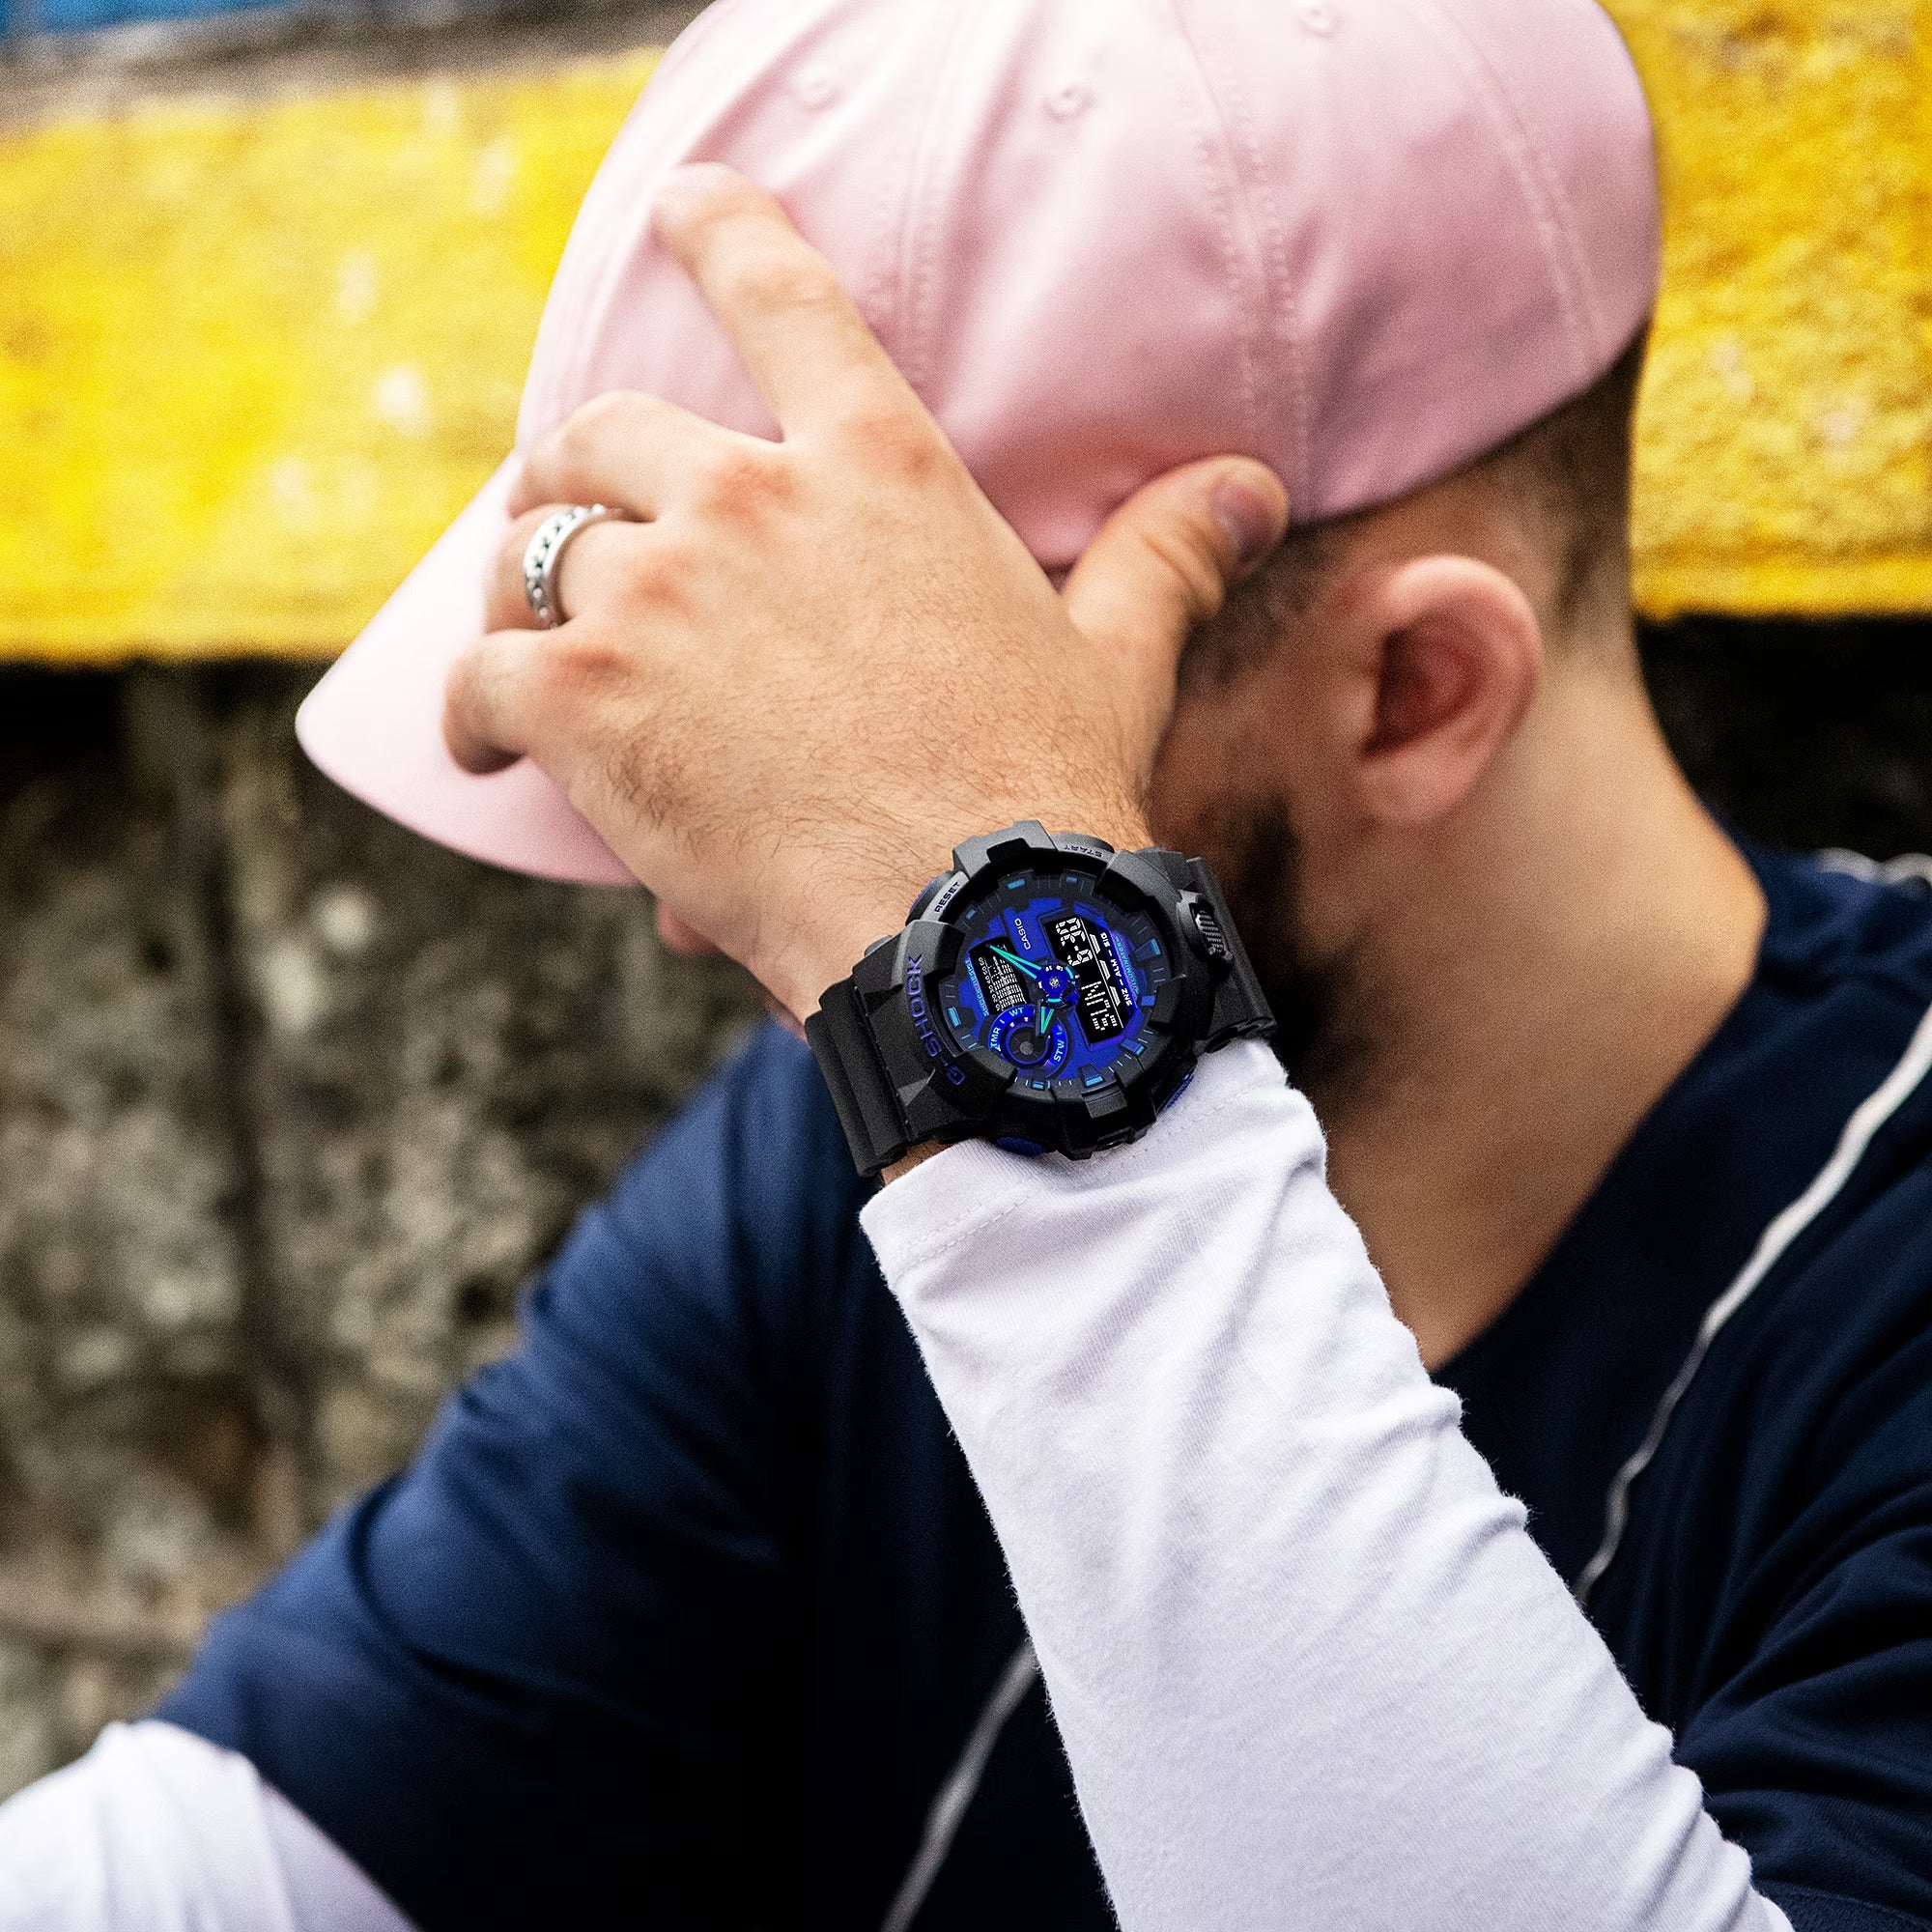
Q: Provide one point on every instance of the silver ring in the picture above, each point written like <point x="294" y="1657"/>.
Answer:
<point x="544" y="553"/>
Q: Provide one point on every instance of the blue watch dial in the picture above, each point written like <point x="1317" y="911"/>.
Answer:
<point x="1055" y="982"/>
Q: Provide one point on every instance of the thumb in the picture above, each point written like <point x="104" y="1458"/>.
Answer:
<point x="1165" y="560"/>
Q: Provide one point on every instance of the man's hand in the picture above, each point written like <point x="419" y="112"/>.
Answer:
<point x="810" y="666"/>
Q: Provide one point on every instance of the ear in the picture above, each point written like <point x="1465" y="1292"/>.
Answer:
<point x="1459" y="655"/>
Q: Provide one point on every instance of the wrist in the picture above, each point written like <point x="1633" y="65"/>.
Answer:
<point x="912" y="1158"/>
<point x="825" y="949"/>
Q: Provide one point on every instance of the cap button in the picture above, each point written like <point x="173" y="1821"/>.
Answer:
<point x="1069" y="99"/>
<point x="815" y="87"/>
<point x="1316" y="16"/>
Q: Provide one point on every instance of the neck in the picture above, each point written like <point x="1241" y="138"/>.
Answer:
<point x="1585" y="929"/>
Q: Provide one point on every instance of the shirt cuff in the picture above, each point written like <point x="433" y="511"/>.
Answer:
<point x="965" y="1190"/>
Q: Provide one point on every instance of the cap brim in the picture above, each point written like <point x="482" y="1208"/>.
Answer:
<point x="374" y="721"/>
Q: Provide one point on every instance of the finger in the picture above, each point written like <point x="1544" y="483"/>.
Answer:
<point x="1165" y="560"/>
<point x="591" y="571"/>
<point x="489" y="701"/>
<point x="800" y="336"/>
<point x="633" y="452"/>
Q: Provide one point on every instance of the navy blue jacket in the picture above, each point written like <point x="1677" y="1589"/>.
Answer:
<point x="685" y="1610"/>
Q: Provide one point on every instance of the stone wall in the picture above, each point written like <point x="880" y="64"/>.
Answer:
<point x="292" y="1102"/>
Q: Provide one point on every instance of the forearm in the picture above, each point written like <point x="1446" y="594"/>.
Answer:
<point x="1308" y="1665"/>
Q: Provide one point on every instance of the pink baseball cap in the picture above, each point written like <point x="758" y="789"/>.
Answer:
<point x="1364" y="240"/>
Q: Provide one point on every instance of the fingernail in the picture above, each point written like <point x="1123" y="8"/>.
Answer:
<point x="1251" y="515"/>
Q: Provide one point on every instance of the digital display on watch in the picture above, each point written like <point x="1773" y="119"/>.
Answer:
<point x="1086" y="950"/>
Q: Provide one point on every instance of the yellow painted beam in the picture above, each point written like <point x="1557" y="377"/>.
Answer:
<point x="1785" y="456"/>
<point x="253" y="355"/>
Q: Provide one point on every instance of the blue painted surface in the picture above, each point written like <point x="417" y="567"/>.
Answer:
<point x="72" y="16"/>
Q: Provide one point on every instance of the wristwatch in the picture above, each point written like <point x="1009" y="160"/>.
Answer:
<point x="1048" y="993"/>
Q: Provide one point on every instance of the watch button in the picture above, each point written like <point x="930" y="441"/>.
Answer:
<point x="928" y="892"/>
<point x="1209" y="929"/>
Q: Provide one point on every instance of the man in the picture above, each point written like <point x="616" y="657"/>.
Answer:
<point x="695" y="1594"/>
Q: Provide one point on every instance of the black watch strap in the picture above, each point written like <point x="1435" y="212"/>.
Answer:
<point x="841" y="1040"/>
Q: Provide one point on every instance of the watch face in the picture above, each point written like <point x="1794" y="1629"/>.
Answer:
<point x="1055" y="982"/>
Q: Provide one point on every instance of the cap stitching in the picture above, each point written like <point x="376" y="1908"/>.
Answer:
<point x="1548" y="204"/>
<point x="1564" y="213"/>
<point x="918" y="262"/>
<point x="609" y="265"/>
<point x="1237" y="132"/>
<point x="884" y="282"/>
